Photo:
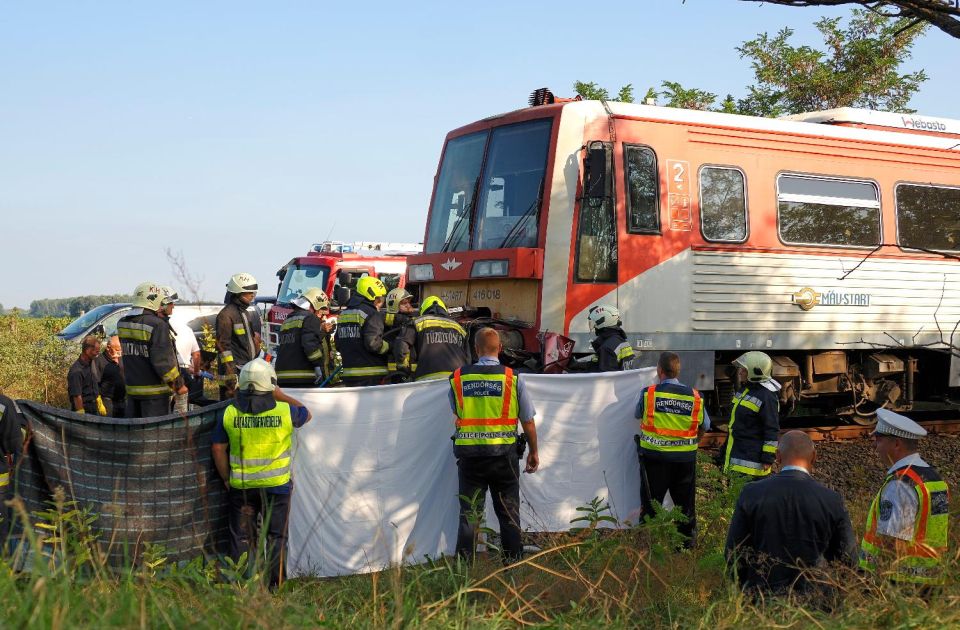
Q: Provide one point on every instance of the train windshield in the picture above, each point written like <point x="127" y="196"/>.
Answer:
<point x="299" y="278"/>
<point x="508" y="191"/>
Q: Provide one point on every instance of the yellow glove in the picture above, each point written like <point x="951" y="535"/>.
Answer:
<point x="101" y="407"/>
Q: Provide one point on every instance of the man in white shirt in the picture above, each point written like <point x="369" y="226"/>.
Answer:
<point x="188" y="349"/>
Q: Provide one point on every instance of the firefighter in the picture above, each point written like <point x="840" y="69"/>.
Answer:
<point x="612" y="351"/>
<point x="400" y="313"/>
<point x="12" y="425"/>
<point x="236" y="342"/>
<point x="150" y="363"/>
<point x="359" y="337"/>
<point x="755" y="419"/>
<point x="907" y="525"/>
<point x="440" y="343"/>
<point x="251" y="448"/>
<point x="488" y="400"/>
<point x="672" y="419"/>
<point x="305" y="355"/>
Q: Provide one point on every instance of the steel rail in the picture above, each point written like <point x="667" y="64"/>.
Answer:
<point x="715" y="439"/>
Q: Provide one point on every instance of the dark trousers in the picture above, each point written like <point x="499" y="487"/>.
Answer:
<point x="273" y="510"/>
<point x="363" y="381"/>
<point x="148" y="407"/>
<point x="680" y="478"/>
<point x="501" y="474"/>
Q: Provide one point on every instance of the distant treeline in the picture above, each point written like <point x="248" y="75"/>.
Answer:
<point x="72" y="306"/>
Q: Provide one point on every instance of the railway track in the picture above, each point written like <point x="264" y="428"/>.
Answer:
<point x="715" y="439"/>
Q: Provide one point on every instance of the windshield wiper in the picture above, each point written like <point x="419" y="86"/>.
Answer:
<point x="515" y="230"/>
<point x="467" y="212"/>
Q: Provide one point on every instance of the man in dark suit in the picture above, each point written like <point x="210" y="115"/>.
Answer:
<point x="788" y="526"/>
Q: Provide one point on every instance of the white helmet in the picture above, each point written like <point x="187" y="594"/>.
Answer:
<point x="169" y="296"/>
<point x="312" y="297"/>
<point x="395" y="297"/>
<point x="603" y="316"/>
<point x="148" y="295"/>
<point x="242" y="283"/>
<point x="759" y="365"/>
<point x="259" y="376"/>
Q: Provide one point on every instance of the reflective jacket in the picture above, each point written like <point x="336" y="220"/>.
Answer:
<point x="359" y="340"/>
<point x="394" y="325"/>
<point x="753" y="431"/>
<point x="920" y="558"/>
<point x="304" y="346"/>
<point x="613" y="352"/>
<point x="260" y="446"/>
<point x="440" y="345"/>
<point x="150" y="364"/>
<point x="669" y="428"/>
<point x="488" y="410"/>
<point x="235" y="342"/>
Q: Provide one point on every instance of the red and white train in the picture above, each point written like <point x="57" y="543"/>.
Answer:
<point x="829" y="240"/>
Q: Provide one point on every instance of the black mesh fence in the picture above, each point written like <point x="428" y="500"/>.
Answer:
<point x="149" y="480"/>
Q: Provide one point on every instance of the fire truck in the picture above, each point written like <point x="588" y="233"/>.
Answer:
<point x="335" y="267"/>
<point x="829" y="240"/>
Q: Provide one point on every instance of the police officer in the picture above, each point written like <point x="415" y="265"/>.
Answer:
<point x="612" y="351"/>
<point x="488" y="400"/>
<point x="672" y="419"/>
<point x="400" y="313"/>
<point x="236" y="340"/>
<point x="439" y="343"/>
<point x="149" y="357"/>
<point x="754" y="425"/>
<point x="252" y="452"/>
<point x="906" y="530"/>
<point x="305" y="356"/>
<point x="359" y="337"/>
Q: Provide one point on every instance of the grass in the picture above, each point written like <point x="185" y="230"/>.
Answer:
<point x="583" y="578"/>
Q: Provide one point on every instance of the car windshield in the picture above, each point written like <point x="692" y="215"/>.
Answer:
<point x="88" y="319"/>
<point x="508" y="191"/>
<point x="299" y="278"/>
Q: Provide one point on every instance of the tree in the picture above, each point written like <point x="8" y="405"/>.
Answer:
<point x="943" y="14"/>
<point x="858" y="67"/>
<point x="593" y="92"/>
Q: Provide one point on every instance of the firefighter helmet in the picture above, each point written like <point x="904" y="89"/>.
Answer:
<point x="148" y="295"/>
<point x="258" y="376"/>
<point x="371" y="288"/>
<point x="242" y="283"/>
<point x="430" y="302"/>
<point x="169" y="296"/>
<point x="395" y="297"/>
<point x="603" y="316"/>
<point x="313" y="297"/>
<point x="758" y="365"/>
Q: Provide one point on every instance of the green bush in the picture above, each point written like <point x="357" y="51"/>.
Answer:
<point x="33" y="361"/>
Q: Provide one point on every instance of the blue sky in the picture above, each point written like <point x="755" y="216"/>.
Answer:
<point x="239" y="133"/>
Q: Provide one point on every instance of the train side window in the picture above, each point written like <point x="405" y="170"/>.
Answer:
<point x="643" y="198"/>
<point x="723" y="204"/>
<point x="828" y="211"/>
<point x="596" y="257"/>
<point x="928" y="217"/>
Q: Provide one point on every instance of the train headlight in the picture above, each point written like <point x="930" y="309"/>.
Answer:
<point x="489" y="268"/>
<point x="420" y="273"/>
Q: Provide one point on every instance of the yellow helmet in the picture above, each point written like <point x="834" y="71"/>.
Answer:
<point x="395" y="297"/>
<point x="242" y="283"/>
<point x="257" y="375"/>
<point x="313" y="297"/>
<point x="432" y="301"/>
<point x="148" y="295"/>
<point x="759" y="365"/>
<point x="169" y="296"/>
<point x="371" y="288"/>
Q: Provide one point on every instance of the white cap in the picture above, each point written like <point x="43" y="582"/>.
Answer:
<point x="890" y="423"/>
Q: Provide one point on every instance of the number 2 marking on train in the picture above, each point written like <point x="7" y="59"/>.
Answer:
<point x="678" y="167"/>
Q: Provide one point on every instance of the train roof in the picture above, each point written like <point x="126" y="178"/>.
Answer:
<point x="843" y="123"/>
